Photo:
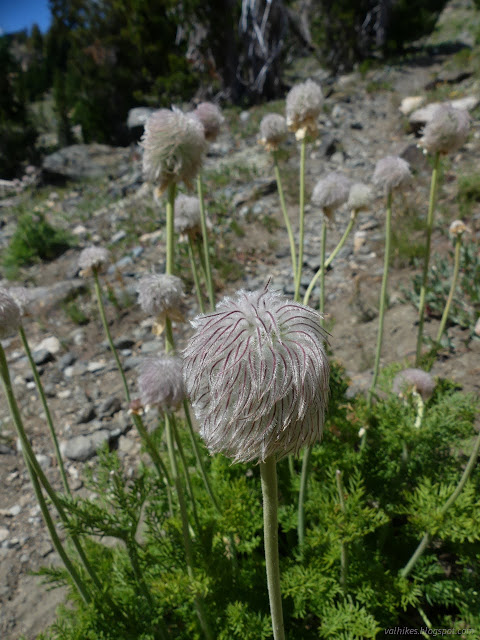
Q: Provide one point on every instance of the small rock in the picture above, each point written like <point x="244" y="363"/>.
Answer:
<point x="4" y="532"/>
<point x="120" y="235"/>
<point x="82" y="448"/>
<point x="244" y="116"/>
<point x="359" y="240"/>
<point x="109" y="406"/>
<point x="44" y="461"/>
<point x="66" y="360"/>
<point x="51" y="344"/>
<point x="42" y="356"/>
<point x="411" y="104"/>
<point x="15" y="510"/>
<point x="94" y="366"/>
<point x="477" y="327"/>
<point x="86" y="414"/>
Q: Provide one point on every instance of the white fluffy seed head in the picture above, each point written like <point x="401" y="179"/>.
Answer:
<point x="211" y="118"/>
<point x="331" y="192"/>
<point x="359" y="197"/>
<point x="173" y="148"/>
<point x="391" y="172"/>
<point x="414" y="380"/>
<point x="257" y="374"/>
<point x="161" y="382"/>
<point x="273" y="131"/>
<point x="303" y="105"/>
<point x="93" y="258"/>
<point x="458" y="228"/>
<point x="187" y="214"/>
<point x="160" y="293"/>
<point x="22" y="296"/>
<point x="10" y="317"/>
<point x="447" y="131"/>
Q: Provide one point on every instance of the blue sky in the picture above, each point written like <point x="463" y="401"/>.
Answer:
<point x="16" y="15"/>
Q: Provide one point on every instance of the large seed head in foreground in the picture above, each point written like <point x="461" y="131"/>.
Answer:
<point x="257" y="374"/>
<point x="174" y="144"/>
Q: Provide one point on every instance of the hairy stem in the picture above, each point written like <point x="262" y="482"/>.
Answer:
<point x="383" y="294"/>
<point x="268" y="471"/>
<point x="196" y="279"/>
<point x="206" y="249"/>
<point x="343" y="547"/>
<point x="286" y="219"/>
<point x="301" y="218"/>
<point x="46" y="408"/>
<point x="185" y="470"/>
<point x="423" y="290"/>
<point x="456" y="270"/>
<point x="302" y="495"/>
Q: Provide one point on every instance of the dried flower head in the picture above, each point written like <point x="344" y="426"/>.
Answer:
<point x="391" y="172"/>
<point x="187" y="215"/>
<point x="331" y="192"/>
<point x="458" y="228"/>
<point x="303" y="105"/>
<point x="447" y="130"/>
<point x="9" y="314"/>
<point x="161" y="382"/>
<point x="174" y="144"/>
<point x="359" y="197"/>
<point x="92" y="258"/>
<point x="273" y="131"/>
<point x="211" y="118"/>
<point x="160" y="295"/>
<point x="22" y="296"/>
<point x="257" y="374"/>
<point x="414" y="380"/>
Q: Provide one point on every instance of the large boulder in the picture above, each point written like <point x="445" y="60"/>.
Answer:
<point x="81" y="161"/>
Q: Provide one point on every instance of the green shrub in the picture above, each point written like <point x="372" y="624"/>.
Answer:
<point x="34" y="239"/>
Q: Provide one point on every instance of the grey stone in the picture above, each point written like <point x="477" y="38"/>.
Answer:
<point x="66" y="360"/>
<point x="86" y="414"/>
<point x="81" y="161"/>
<point x="138" y="116"/>
<point x="42" y="356"/>
<point x="109" y="406"/>
<point x="82" y="448"/>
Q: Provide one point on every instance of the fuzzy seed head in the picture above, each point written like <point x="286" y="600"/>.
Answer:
<point x="187" y="214"/>
<point x="331" y="192"/>
<point x="414" y="380"/>
<point x="303" y="106"/>
<point x="447" y="130"/>
<point x="159" y="294"/>
<point x="359" y="197"/>
<point x="273" y="131"/>
<point x="211" y="118"/>
<point x="161" y="382"/>
<point x="458" y="228"/>
<point x="173" y="148"/>
<point x="93" y="258"/>
<point x="257" y="374"/>
<point x="9" y="314"/>
<point x="391" y="172"/>
<point x="22" y="296"/>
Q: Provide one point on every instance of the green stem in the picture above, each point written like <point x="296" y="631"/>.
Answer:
<point x="268" y="471"/>
<point x="170" y="260"/>
<point x="196" y="279"/>
<point x="420" y="409"/>
<point x="302" y="495"/>
<point x="206" y="250"/>
<point x="331" y="257"/>
<point x="323" y="268"/>
<point x="456" y="270"/>
<point x="383" y="294"/>
<point x="101" y="308"/>
<point x="198" y="457"/>
<point x="423" y="290"/>
<point x="301" y="228"/>
<point x="32" y="461"/>
<point x="285" y="214"/>
<point x="343" y="547"/>
<point x="463" y="480"/>
<point x="59" y="548"/>
<point x="45" y="406"/>
<point x="185" y="470"/>
<point x="187" y="542"/>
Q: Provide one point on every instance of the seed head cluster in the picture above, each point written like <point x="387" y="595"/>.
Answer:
<point x="303" y="105"/>
<point x="187" y="215"/>
<point x="93" y="258"/>
<point x="331" y="192"/>
<point x="9" y="314"/>
<point x="273" y="131"/>
<point x="173" y="148"/>
<point x="211" y="118"/>
<point x="447" y="131"/>
<point x="161" y="382"/>
<point x="458" y="228"/>
<point x="159" y="294"/>
<point x="22" y="296"/>
<point x="391" y="172"/>
<point x="359" y="197"/>
<point x="257" y="374"/>
<point x="414" y="380"/>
